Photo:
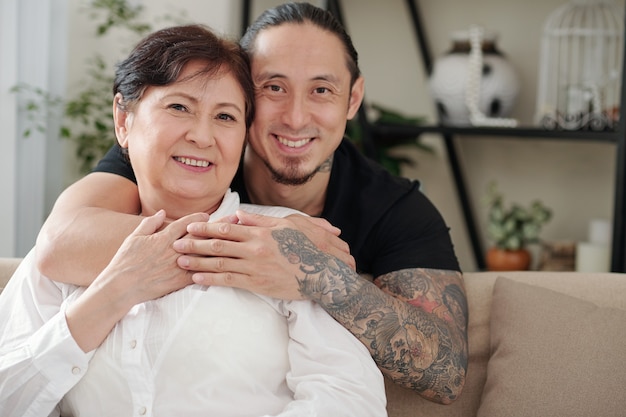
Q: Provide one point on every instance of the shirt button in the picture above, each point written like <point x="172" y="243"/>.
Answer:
<point x="133" y="344"/>
<point x="76" y="370"/>
<point x="142" y="411"/>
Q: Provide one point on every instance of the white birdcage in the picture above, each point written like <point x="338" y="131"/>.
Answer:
<point x="580" y="66"/>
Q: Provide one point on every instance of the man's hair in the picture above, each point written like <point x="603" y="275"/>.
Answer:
<point x="159" y="58"/>
<point x="300" y="13"/>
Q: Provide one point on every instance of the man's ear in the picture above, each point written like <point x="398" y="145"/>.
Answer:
<point x="121" y="119"/>
<point x="356" y="97"/>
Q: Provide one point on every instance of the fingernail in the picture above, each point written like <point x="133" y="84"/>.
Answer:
<point x="183" y="261"/>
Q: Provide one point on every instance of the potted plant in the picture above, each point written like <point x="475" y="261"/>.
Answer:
<point x="511" y="229"/>
<point x="384" y="146"/>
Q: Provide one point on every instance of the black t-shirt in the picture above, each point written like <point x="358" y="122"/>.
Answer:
<point x="387" y="221"/>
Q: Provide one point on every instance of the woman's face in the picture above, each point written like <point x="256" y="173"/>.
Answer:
<point x="185" y="141"/>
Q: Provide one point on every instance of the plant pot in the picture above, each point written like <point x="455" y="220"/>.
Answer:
<point x="508" y="260"/>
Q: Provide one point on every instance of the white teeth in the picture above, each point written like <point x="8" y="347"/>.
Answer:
<point x="192" y="162"/>
<point x="293" y="144"/>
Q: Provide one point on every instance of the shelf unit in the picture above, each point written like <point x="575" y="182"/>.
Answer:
<point x="616" y="137"/>
<point x="375" y="132"/>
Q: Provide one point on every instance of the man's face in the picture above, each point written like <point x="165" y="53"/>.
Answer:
<point x="303" y="99"/>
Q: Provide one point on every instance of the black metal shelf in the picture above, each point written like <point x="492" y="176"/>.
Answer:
<point x="390" y="132"/>
<point x="617" y="137"/>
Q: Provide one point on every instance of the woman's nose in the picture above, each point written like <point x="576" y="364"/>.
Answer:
<point x="201" y="134"/>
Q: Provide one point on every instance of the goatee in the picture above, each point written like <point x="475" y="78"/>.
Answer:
<point x="291" y="175"/>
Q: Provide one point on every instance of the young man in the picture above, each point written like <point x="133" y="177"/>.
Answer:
<point x="412" y="317"/>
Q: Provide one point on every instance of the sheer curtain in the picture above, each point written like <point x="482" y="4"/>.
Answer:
<point x="32" y="51"/>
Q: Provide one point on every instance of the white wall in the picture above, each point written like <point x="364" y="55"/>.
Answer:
<point x="575" y="179"/>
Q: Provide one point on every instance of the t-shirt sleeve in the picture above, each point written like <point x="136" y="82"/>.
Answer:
<point x="116" y="162"/>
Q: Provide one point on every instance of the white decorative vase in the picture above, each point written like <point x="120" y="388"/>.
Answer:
<point x="474" y="84"/>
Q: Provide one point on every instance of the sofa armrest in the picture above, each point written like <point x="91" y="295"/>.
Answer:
<point x="7" y="268"/>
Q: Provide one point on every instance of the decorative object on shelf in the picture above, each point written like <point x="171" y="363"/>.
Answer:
<point x="580" y="66"/>
<point x="511" y="229"/>
<point x="594" y="255"/>
<point x="474" y="84"/>
<point x="385" y="154"/>
<point x="557" y="256"/>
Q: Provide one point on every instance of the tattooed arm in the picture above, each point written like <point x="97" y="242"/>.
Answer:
<point x="415" y="328"/>
<point x="412" y="321"/>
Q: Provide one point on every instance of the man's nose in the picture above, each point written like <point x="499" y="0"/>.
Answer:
<point x="296" y="113"/>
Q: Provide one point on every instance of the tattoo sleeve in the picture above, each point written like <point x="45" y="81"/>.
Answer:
<point x="413" y="321"/>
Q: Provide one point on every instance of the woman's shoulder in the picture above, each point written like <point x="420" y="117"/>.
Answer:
<point x="272" y="211"/>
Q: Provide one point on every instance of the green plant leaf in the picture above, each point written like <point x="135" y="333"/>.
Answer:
<point x="514" y="227"/>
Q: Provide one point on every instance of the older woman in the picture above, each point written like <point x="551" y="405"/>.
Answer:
<point x="142" y="341"/>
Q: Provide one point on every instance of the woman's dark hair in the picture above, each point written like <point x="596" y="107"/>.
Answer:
<point x="159" y="58"/>
<point x="301" y="13"/>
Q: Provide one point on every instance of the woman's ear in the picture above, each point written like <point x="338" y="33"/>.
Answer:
<point x="122" y="119"/>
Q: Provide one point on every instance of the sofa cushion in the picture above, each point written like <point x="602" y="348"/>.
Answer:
<point x="553" y="355"/>
<point x="7" y="267"/>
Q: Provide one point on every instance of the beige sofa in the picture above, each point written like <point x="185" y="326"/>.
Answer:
<point x="559" y="347"/>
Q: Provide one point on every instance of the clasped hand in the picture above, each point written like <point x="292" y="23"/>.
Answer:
<point x="240" y="251"/>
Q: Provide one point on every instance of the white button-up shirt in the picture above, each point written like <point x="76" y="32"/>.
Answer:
<point x="200" y="351"/>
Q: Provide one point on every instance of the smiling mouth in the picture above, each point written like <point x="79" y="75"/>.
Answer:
<point x="192" y="162"/>
<point x="293" y="143"/>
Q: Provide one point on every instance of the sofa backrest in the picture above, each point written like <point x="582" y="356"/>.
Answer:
<point x="7" y="267"/>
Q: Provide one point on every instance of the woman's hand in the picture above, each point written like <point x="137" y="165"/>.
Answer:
<point x="144" y="268"/>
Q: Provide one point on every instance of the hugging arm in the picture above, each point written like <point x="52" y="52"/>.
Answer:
<point x="412" y="321"/>
<point x="87" y="225"/>
<point x="415" y="328"/>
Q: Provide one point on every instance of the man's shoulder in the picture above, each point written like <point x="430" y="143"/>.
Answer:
<point x="357" y="175"/>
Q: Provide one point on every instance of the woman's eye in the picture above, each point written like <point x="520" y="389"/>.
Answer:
<point x="225" y="116"/>
<point x="179" y="107"/>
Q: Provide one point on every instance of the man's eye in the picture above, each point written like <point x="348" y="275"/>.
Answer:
<point x="321" y="90"/>
<point x="274" y="88"/>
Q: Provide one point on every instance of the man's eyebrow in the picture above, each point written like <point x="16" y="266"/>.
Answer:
<point x="275" y="75"/>
<point x="327" y="77"/>
<point x="269" y="76"/>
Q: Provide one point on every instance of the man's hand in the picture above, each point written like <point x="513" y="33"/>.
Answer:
<point x="323" y="235"/>
<point x="246" y="255"/>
